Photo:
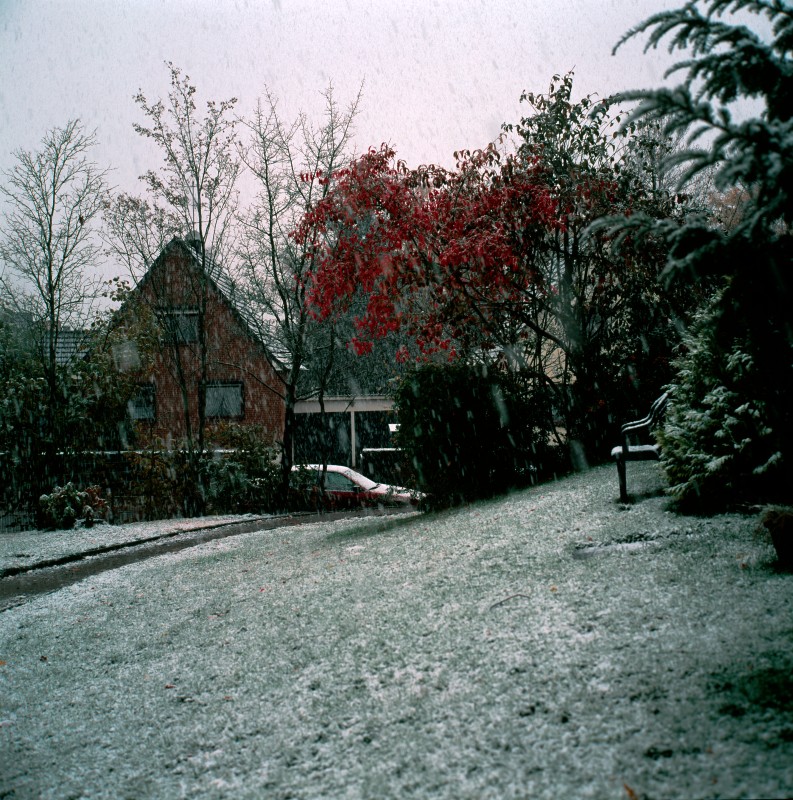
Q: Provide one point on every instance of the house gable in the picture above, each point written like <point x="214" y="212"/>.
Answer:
<point x="244" y="382"/>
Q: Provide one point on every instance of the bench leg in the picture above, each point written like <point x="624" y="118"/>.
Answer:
<point x="623" y="480"/>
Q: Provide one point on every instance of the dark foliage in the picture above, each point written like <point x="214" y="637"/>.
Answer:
<point x="717" y="444"/>
<point x="751" y="321"/>
<point x="47" y="427"/>
<point x="471" y="433"/>
<point x="241" y="477"/>
<point x="245" y="478"/>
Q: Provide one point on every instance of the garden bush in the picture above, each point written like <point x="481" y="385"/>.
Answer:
<point x="239" y="475"/>
<point x="245" y="476"/>
<point x="156" y="481"/>
<point x="60" y="509"/>
<point x="470" y="432"/>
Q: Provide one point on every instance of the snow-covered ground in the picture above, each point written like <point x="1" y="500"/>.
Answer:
<point x="548" y="644"/>
<point x="27" y="549"/>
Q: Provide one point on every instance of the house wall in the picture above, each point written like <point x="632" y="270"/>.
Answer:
<point x="233" y="356"/>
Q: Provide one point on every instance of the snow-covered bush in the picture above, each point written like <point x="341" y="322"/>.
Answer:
<point x="245" y="478"/>
<point x="717" y="446"/>
<point x="60" y="509"/>
<point x="231" y="488"/>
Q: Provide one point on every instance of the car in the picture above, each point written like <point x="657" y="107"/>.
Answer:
<point x="346" y="488"/>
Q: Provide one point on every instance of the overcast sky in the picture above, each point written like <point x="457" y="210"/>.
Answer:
<point x="439" y="75"/>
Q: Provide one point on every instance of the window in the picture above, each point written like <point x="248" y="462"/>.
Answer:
<point x="126" y="356"/>
<point x="339" y="483"/>
<point x="223" y="400"/>
<point x="182" y="325"/>
<point x="141" y="405"/>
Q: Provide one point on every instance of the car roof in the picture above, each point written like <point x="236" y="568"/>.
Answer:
<point x="348" y="472"/>
<point x="318" y="467"/>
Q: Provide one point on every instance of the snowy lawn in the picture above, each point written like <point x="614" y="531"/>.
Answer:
<point x="485" y="652"/>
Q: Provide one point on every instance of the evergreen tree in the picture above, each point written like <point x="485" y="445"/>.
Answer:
<point x="716" y="440"/>
<point x="750" y="321"/>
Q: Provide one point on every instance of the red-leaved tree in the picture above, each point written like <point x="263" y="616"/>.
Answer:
<point x="444" y="256"/>
<point x="497" y="259"/>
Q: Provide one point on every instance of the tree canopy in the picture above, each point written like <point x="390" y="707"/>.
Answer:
<point x="495" y="259"/>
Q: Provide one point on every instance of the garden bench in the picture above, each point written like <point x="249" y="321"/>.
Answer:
<point x="639" y="429"/>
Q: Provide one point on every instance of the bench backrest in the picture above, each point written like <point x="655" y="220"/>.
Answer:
<point x="658" y="409"/>
<point x="648" y="423"/>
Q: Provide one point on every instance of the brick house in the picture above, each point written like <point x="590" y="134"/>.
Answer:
<point x="244" y="383"/>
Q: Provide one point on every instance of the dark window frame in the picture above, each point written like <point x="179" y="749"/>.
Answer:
<point x="174" y="321"/>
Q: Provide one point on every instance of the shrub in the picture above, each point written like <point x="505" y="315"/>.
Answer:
<point x="60" y="509"/>
<point x="246" y="478"/>
<point x="469" y="432"/>
<point x="157" y="477"/>
<point x="241" y="476"/>
<point x="304" y="492"/>
<point x="717" y="445"/>
<point x="231" y="488"/>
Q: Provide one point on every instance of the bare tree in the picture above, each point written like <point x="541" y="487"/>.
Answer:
<point x="194" y="196"/>
<point x="198" y="181"/>
<point x="291" y="164"/>
<point x="48" y="246"/>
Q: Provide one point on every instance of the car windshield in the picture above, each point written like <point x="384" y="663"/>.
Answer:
<point x="361" y="480"/>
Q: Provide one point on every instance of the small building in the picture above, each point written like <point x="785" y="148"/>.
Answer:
<point x="354" y="428"/>
<point x="204" y="344"/>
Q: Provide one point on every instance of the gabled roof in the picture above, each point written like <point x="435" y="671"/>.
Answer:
<point x="70" y="342"/>
<point x="223" y="284"/>
<point x="69" y="345"/>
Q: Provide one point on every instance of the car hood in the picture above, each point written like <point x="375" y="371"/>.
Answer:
<point x="394" y="491"/>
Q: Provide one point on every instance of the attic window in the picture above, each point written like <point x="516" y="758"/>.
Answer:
<point x="224" y="401"/>
<point x="182" y="325"/>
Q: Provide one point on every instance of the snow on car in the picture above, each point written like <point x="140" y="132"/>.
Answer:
<point x="346" y="488"/>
